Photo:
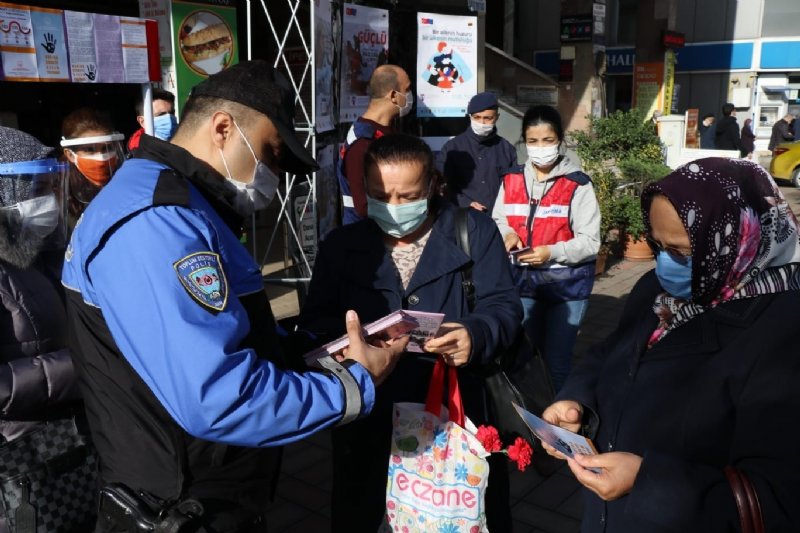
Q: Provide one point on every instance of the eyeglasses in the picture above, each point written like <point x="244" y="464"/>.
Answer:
<point x="677" y="255"/>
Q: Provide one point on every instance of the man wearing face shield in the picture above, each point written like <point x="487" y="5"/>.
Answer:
<point x="37" y="379"/>
<point x="94" y="151"/>
<point x="473" y="162"/>
<point x="176" y="329"/>
<point x="390" y="97"/>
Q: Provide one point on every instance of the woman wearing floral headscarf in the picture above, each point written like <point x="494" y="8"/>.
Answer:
<point x="709" y="378"/>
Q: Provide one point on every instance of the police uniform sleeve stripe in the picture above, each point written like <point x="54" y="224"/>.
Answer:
<point x="190" y="356"/>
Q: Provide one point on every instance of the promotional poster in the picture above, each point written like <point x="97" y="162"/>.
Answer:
<point x="447" y="64"/>
<point x="365" y="45"/>
<point x="324" y="64"/>
<point x="327" y="190"/>
<point x="205" y="42"/>
<point x="17" y="48"/>
<point x="51" y="49"/>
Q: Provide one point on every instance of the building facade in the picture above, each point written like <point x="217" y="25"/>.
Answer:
<point x="742" y="51"/>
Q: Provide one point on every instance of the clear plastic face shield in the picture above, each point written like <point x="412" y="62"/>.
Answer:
<point x="31" y="206"/>
<point x="95" y="159"/>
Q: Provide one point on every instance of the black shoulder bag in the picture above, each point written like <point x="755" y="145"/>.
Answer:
<point x="516" y="374"/>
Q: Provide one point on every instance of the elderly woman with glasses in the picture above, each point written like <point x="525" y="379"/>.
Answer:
<point x="698" y="383"/>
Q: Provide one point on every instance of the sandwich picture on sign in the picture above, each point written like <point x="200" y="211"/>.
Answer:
<point x="206" y="42"/>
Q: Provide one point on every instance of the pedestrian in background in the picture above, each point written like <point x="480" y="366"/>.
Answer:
<point x="696" y="377"/>
<point x="781" y="132"/>
<point x="708" y="131"/>
<point x="726" y="137"/>
<point x="94" y="151"/>
<point x="748" y="139"/>
<point x="165" y="123"/>
<point x="390" y="97"/>
<point x="796" y="127"/>
<point x="406" y="256"/>
<point x="473" y="162"/>
<point x="549" y="218"/>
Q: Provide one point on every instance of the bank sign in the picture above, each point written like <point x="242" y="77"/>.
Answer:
<point x="620" y="60"/>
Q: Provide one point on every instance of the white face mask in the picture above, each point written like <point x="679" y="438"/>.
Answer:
<point x="480" y="129"/>
<point x="406" y="108"/>
<point x="259" y="192"/>
<point x="542" y="156"/>
<point x="39" y="215"/>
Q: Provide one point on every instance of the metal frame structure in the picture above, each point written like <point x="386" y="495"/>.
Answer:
<point x="281" y="31"/>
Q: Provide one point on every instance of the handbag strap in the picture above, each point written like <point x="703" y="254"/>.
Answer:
<point x="462" y="234"/>
<point x="746" y="497"/>
<point x="433" y="404"/>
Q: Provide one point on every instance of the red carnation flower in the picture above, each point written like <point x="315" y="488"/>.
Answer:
<point x="520" y="452"/>
<point x="489" y="438"/>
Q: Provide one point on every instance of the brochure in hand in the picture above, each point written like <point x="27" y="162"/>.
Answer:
<point x="561" y="439"/>
<point x="418" y="325"/>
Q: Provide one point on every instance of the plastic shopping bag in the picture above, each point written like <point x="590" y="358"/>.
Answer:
<point x="437" y="469"/>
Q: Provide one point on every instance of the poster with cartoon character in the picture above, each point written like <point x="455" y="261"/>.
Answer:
<point x="365" y="45"/>
<point x="447" y="63"/>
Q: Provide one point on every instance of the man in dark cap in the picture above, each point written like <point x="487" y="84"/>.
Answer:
<point x="181" y="374"/>
<point x="474" y="161"/>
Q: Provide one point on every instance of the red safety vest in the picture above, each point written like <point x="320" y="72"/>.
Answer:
<point x="550" y="223"/>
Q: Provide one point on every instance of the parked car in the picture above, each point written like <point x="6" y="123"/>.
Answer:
<point x="786" y="162"/>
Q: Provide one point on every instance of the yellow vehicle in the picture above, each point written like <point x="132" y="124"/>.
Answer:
<point x="786" y="162"/>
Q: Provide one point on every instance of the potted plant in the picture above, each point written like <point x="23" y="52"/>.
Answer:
<point x="637" y="174"/>
<point x="622" y="154"/>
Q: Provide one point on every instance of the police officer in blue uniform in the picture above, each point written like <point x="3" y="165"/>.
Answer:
<point x="186" y="394"/>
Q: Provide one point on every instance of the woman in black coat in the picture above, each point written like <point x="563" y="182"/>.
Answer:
<point x="703" y="368"/>
<point x="39" y="442"/>
<point x="748" y="139"/>
<point x="410" y="259"/>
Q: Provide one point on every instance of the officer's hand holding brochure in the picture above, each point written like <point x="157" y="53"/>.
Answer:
<point x="561" y="439"/>
<point x="418" y="325"/>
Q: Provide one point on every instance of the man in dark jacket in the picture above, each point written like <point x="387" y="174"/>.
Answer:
<point x="781" y="132"/>
<point x="708" y="130"/>
<point x="727" y="134"/>
<point x="473" y="162"/>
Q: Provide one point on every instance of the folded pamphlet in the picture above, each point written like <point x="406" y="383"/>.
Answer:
<point x="418" y="325"/>
<point x="561" y="439"/>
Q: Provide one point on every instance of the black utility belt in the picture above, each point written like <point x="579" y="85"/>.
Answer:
<point x="121" y="509"/>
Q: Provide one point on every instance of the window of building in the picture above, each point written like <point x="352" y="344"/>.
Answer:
<point x="780" y="18"/>
<point x="626" y="21"/>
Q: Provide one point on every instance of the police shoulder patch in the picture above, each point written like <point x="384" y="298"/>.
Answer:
<point x="202" y="276"/>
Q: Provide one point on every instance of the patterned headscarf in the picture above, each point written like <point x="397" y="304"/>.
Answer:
<point x="743" y="234"/>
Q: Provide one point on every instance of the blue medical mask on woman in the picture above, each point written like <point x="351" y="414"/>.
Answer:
<point x="164" y="126"/>
<point x="675" y="277"/>
<point x="397" y="220"/>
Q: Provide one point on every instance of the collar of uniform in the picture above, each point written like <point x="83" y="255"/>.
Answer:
<point x="209" y="182"/>
<point x="488" y="139"/>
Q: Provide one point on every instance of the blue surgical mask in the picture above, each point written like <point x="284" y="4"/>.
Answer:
<point x="397" y="220"/>
<point x="675" y="277"/>
<point x="164" y="126"/>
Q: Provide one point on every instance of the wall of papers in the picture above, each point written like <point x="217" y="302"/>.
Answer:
<point x="40" y="44"/>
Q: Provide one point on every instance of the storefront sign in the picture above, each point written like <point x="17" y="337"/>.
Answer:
<point x="576" y="28"/>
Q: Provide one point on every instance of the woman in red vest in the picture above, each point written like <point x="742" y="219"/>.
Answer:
<point x="549" y="218"/>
